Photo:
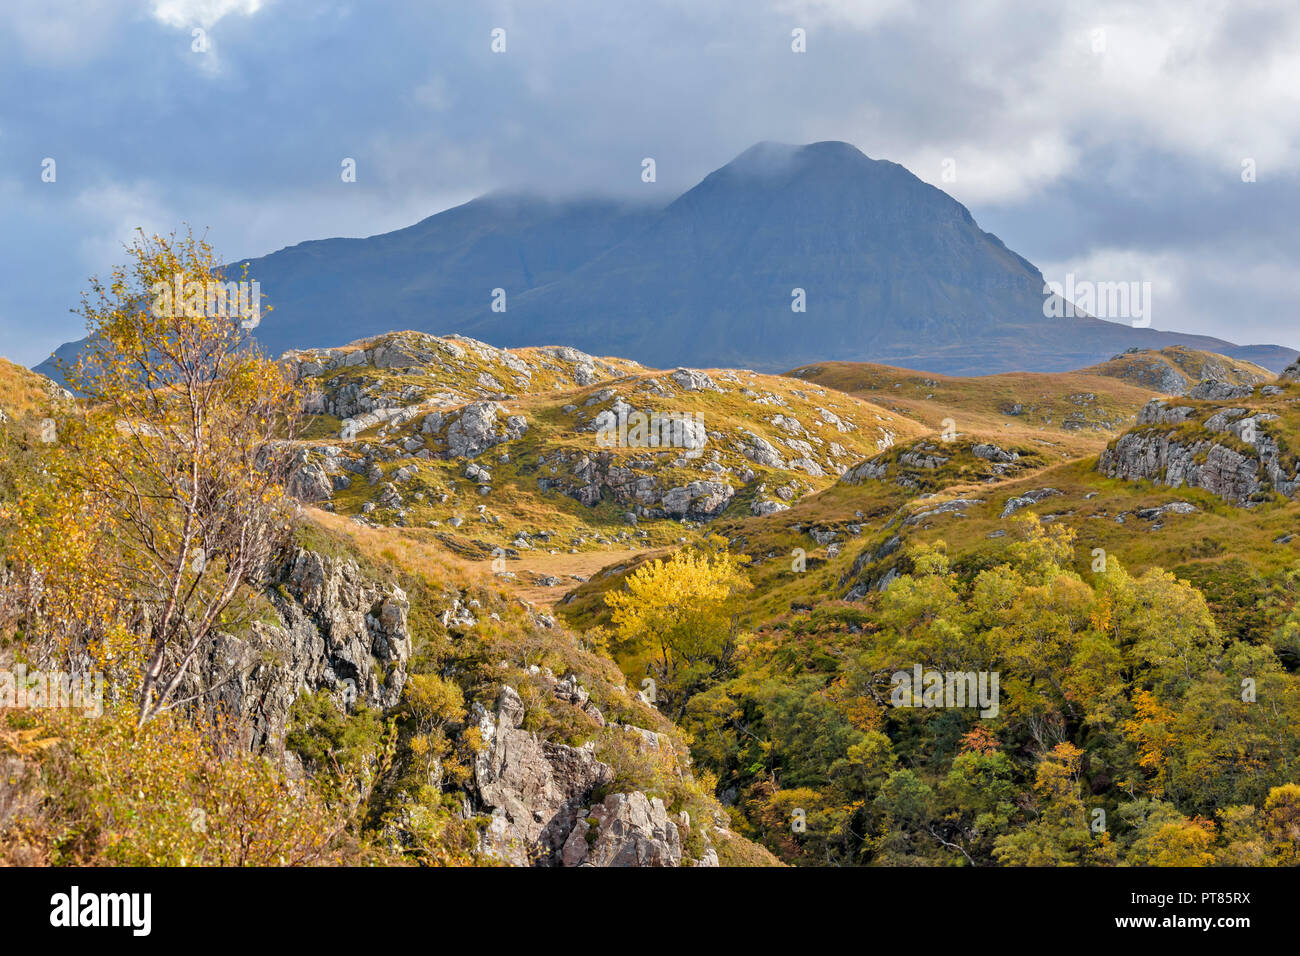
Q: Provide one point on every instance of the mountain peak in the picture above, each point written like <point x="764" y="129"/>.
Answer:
<point x="768" y="159"/>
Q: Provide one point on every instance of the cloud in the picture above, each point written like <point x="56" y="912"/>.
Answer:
<point x="1193" y="292"/>
<point x="183" y="14"/>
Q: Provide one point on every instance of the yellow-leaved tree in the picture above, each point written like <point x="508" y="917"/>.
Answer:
<point x="164" y="492"/>
<point x="681" y="618"/>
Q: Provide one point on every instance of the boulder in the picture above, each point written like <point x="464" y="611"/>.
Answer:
<point x="474" y="430"/>
<point x="626" y="829"/>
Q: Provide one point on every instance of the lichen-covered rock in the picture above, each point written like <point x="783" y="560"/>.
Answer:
<point x="1195" y="455"/>
<point x="704" y="499"/>
<point x="873" y="469"/>
<point x="534" y="789"/>
<point x="310" y="483"/>
<point x="694" y="380"/>
<point x="991" y="452"/>
<point x="1030" y="497"/>
<point x="336" y="631"/>
<point x="626" y="829"/>
<point x="474" y="430"/>
<point x="760" y="451"/>
<point x="1210" y="390"/>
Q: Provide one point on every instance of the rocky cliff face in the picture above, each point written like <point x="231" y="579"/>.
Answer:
<point x="333" y="630"/>
<point x="1227" y="450"/>
<point x="534" y="789"/>
<point x="626" y="829"/>
<point x="591" y="478"/>
<point x="547" y="801"/>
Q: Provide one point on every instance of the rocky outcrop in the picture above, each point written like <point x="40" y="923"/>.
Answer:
<point x="873" y="469"/>
<point x="1033" y="496"/>
<point x="1214" y="391"/>
<point x="474" y="429"/>
<point x="957" y="506"/>
<point x="760" y="451"/>
<point x="539" y="794"/>
<point x="535" y="790"/>
<point x="626" y="829"/>
<point x="334" y="631"/>
<point x="928" y="465"/>
<point x="693" y="380"/>
<point x="990" y="452"/>
<point x="1226" y="451"/>
<point x="701" y="499"/>
<point x="309" y="481"/>
<point x="590" y="479"/>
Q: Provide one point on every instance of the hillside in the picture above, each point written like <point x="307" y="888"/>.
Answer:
<point x="891" y="270"/>
<point x="1041" y="474"/>
<point x="26" y="400"/>
<point x="965" y="553"/>
<point x="1064" y="414"/>
<point x="418" y="709"/>
<point x="498" y="449"/>
<point x="1174" y="370"/>
<point x="1203" y="485"/>
<point x="24" y="394"/>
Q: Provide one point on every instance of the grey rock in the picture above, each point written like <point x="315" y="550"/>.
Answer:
<point x="310" y="483"/>
<point x="993" y="453"/>
<point x="694" y="381"/>
<point x="1219" y="391"/>
<point x="474" y="430"/>
<point x="1014" y="504"/>
<point x="626" y="829"/>
<point x="535" y="789"/>
<point x="336" y="631"/>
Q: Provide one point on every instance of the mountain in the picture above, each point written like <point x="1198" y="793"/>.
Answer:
<point x="892" y="270"/>
<point x="436" y="274"/>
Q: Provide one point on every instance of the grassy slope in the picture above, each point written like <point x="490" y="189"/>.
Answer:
<point x="23" y="394"/>
<point x="1229" y="552"/>
<point x="1066" y="414"/>
<point x="1062" y="424"/>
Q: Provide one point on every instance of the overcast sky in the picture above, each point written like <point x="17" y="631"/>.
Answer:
<point x="1103" y="139"/>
